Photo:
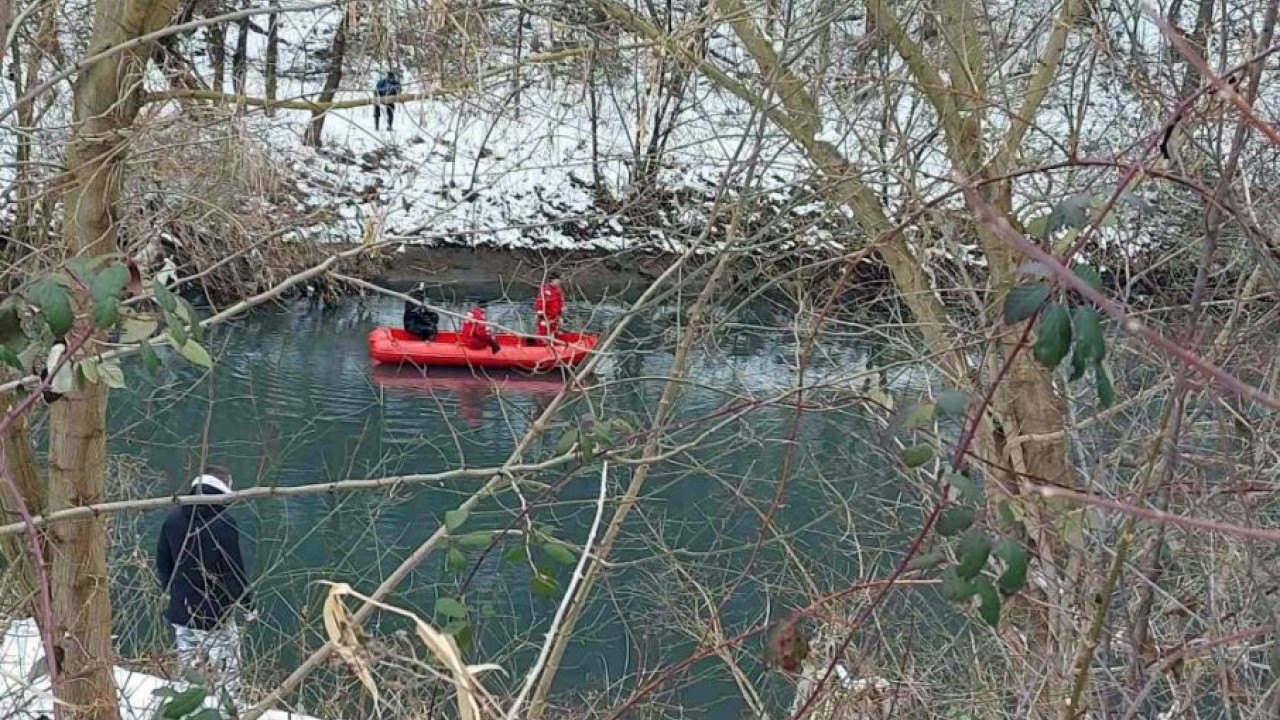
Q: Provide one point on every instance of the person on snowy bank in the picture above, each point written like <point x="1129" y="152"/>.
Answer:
<point x="199" y="563"/>
<point x="385" y="92"/>
<point x="475" y="333"/>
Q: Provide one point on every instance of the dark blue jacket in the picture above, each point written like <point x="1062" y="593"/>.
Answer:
<point x="388" y="85"/>
<point x="199" y="562"/>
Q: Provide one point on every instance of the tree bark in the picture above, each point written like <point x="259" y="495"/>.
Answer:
<point x="25" y="231"/>
<point x="216" y="41"/>
<point x="240" y="59"/>
<point x="272" y="59"/>
<point x="20" y="464"/>
<point x="105" y="105"/>
<point x="6" y="16"/>
<point x="337" y="53"/>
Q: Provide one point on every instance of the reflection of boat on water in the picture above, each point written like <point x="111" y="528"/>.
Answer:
<point x="428" y="381"/>
<point x="471" y="387"/>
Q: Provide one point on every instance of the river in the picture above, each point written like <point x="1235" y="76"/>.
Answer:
<point x="292" y="400"/>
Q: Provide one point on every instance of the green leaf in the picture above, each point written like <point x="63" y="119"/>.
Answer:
<point x="454" y="519"/>
<point x="559" y="553"/>
<point x="1089" y="275"/>
<point x="587" y="444"/>
<point x="973" y="551"/>
<point x="1053" y="336"/>
<point x="112" y="375"/>
<point x="1007" y="519"/>
<point x="1090" y="347"/>
<point x="477" y="540"/>
<point x="456" y="559"/>
<point x="920" y="416"/>
<point x="55" y="304"/>
<point x="136" y="328"/>
<point x="955" y="520"/>
<point x="206" y="714"/>
<point x="450" y="608"/>
<point x="543" y="584"/>
<point x="964" y="487"/>
<point x="1023" y="301"/>
<point x="10" y="322"/>
<point x="176" y="330"/>
<point x="928" y="560"/>
<point x="463" y="638"/>
<point x="106" y="287"/>
<point x="988" y="601"/>
<point x="183" y="703"/>
<point x="953" y="403"/>
<point x="1038" y="226"/>
<point x="1070" y="213"/>
<point x="620" y="426"/>
<point x="89" y="369"/>
<point x="149" y="358"/>
<point x="1015" y="557"/>
<point x="188" y="314"/>
<point x="954" y="587"/>
<point x="514" y="554"/>
<point x="1106" y="394"/>
<point x="164" y="298"/>
<point x="10" y="358"/>
<point x="82" y="267"/>
<point x="567" y="441"/>
<point x="453" y="627"/>
<point x="196" y="354"/>
<point x="603" y="434"/>
<point x="917" y="455"/>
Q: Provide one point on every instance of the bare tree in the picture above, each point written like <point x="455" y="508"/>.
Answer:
<point x="105" y="103"/>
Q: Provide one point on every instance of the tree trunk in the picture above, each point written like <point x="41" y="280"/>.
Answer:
<point x="20" y="464"/>
<point x="240" y="59"/>
<point x="24" y="230"/>
<point x="6" y="16"/>
<point x="515" y="73"/>
<point x="105" y="105"/>
<point x="337" y="53"/>
<point x="216" y="39"/>
<point x="273" y="54"/>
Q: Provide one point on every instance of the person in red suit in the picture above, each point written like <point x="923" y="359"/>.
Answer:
<point x="548" y="307"/>
<point x="475" y="333"/>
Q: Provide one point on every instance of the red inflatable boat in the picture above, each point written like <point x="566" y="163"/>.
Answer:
<point x="394" y="346"/>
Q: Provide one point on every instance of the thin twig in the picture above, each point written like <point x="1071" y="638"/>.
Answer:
<point x="569" y="592"/>
<point x="1158" y="516"/>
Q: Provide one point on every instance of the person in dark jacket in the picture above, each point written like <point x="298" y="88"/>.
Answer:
<point x="385" y="92"/>
<point x="199" y="562"/>
<point x="419" y="320"/>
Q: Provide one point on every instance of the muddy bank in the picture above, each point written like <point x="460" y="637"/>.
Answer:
<point x="515" y="273"/>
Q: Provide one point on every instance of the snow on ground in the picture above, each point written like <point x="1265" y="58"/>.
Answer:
<point x="482" y="168"/>
<point x="21" y="650"/>
<point x="479" y="168"/>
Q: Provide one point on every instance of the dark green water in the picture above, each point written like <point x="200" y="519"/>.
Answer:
<point x="293" y="400"/>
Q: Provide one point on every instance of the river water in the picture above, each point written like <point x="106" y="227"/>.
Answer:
<point x="292" y="400"/>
